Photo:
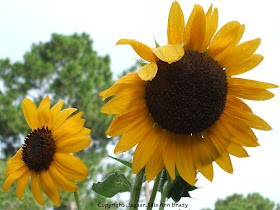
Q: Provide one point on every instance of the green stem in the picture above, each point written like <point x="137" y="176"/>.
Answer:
<point x="154" y="192"/>
<point x="136" y="191"/>
<point x="164" y="195"/>
<point x="77" y="199"/>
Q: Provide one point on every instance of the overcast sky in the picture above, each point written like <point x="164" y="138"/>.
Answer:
<point x="24" y="22"/>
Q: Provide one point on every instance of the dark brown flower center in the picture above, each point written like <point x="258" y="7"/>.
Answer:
<point x="189" y="95"/>
<point x="38" y="149"/>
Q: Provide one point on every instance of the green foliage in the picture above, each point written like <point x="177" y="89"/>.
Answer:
<point x="66" y="68"/>
<point x="253" y="201"/>
<point x="114" y="184"/>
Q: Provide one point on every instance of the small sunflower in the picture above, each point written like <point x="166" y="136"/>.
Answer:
<point x="45" y="155"/>
<point x="184" y="109"/>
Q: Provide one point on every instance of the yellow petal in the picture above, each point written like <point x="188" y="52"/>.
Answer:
<point x="246" y="118"/>
<point x="211" y="27"/>
<point x="36" y="189"/>
<point x="169" y="153"/>
<point x="252" y="83"/>
<point x="144" y="51"/>
<point x="61" y="181"/>
<point x="50" y="187"/>
<point x="123" y="88"/>
<point x="187" y="31"/>
<point x="73" y="144"/>
<point x="238" y="134"/>
<point x="184" y="160"/>
<point x="223" y="38"/>
<point x="54" y="111"/>
<point x="237" y="150"/>
<point x="176" y="24"/>
<point x="155" y="163"/>
<point x="21" y="184"/>
<point x="124" y="103"/>
<point x="13" y="177"/>
<point x="70" y="174"/>
<point x="249" y="93"/>
<point x="237" y="103"/>
<point x="148" y="72"/>
<point x="242" y="67"/>
<point x="14" y="166"/>
<point x="135" y="135"/>
<point x="146" y="149"/>
<point x="43" y="111"/>
<point x="197" y="33"/>
<point x="122" y="123"/>
<point x="30" y="113"/>
<point x="240" y="53"/>
<point x="62" y="116"/>
<point x="71" y="163"/>
<point x="18" y="155"/>
<point x="219" y="153"/>
<point x="202" y="156"/>
<point x="169" y="53"/>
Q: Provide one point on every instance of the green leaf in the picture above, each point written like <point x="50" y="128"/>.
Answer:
<point x="157" y="45"/>
<point x="128" y="164"/>
<point x="179" y="188"/>
<point x="114" y="184"/>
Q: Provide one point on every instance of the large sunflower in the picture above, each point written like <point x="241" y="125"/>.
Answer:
<point x="184" y="109"/>
<point x="45" y="155"/>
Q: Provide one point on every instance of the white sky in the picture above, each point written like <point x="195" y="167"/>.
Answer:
<point x="24" y="22"/>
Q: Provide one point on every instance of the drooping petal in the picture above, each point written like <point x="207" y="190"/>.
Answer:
<point x="30" y="112"/>
<point x="43" y="111"/>
<point x="155" y="163"/>
<point x="202" y="156"/>
<point x="148" y="72"/>
<point x="176" y="24"/>
<point x="13" y="177"/>
<point x="169" y="153"/>
<point x="242" y="67"/>
<point x="61" y="181"/>
<point x="144" y="51"/>
<point x="169" y="53"/>
<point x="184" y="161"/>
<point x="14" y="166"/>
<point x="223" y="38"/>
<point x="50" y="187"/>
<point x="21" y="184"/>
<point x="15" y="157"/>
<point x="144" y="152"/>
<point x="198" y="30"/>
<point x="36" y="189"/>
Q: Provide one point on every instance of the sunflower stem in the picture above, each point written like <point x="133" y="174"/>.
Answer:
<point x="136" y="191"/>
<point x="164" y="194"/>
<point x="77" y="199"/>
<point x="154" y="192"/>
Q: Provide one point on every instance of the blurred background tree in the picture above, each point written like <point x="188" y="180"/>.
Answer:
<point x="65" y="68"/>
<point x="253" y="201"/>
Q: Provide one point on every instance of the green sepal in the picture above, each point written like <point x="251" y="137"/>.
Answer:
<point x="114" y="184"/>
<point x="128" y="164"/>
<point x="179" y="188"/>
<point x="157" y="45"/>
<point x="141" y="62"/>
